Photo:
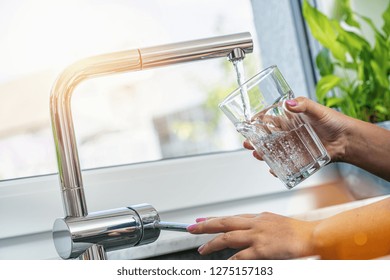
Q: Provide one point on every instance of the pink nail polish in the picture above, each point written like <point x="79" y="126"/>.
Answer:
<point x="198" y="220"/>
<point x="292" y="102"/>
<point x="200" y="249"/>
<point x="191" y="227"/>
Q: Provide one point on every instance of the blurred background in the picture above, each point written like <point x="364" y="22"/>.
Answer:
<point x="134" y="117"/>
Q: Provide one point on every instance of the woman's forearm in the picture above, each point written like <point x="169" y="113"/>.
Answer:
<point x="369" y="148"/>
<point x="361" y="233"/>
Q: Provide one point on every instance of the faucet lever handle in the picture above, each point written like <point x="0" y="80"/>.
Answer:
<point x="171" y="226"/>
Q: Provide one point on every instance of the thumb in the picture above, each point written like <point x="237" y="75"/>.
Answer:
<point x="306" y="106"/>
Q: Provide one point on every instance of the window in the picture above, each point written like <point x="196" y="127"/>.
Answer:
<point x="133" y="117"/>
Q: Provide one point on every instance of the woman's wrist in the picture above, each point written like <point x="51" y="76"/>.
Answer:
<point x="348" y="149"/>
<point x="368" y="147"/>
<point x="314" y="243"/>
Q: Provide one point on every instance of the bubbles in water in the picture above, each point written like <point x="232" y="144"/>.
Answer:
<point x="280" y="137"/>
<point x="291" y="154"/>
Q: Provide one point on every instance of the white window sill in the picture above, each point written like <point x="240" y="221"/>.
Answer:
<point x="181" y="190"/>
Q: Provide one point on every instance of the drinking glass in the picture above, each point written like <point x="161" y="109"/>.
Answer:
<point x="285" y="141"/>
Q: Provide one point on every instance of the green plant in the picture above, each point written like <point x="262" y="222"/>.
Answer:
<point x="354" y="72"/>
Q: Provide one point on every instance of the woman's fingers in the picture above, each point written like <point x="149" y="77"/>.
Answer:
<point x="199" y="220"/>
<point x="247" y="215"/>
<point x="257" y="156"/>
<point x="273" y="173"/>
<point x="308" y="107"/>
<point x="233" y="239"/>
<point x="260" y="236"/>
<point x="246" y="254"/>
<point x="248" y="145"/>
<point x="217" y="225"/>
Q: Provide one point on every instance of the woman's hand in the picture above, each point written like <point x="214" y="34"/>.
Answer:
<point x="346" y="139"/>
<point x="330" y="126"/>
<point x="263" y="236"/>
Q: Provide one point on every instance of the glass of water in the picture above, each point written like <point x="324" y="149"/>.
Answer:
<point x="286" y="142"/>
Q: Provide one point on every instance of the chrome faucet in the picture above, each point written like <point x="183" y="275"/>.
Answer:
<point x="91" y="235"/>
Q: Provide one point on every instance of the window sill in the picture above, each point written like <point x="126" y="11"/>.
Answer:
<point x="203" y="185"/>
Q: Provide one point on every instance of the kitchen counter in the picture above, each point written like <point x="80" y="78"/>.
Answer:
<point x="317" y="199"/>
<point x="171" y="242"/>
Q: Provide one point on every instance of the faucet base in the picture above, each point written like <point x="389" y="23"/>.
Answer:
<point x="111" y="229"/>
<point x="95" y="252"/>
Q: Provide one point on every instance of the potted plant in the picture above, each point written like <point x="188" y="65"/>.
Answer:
<point x="354" y="71"/>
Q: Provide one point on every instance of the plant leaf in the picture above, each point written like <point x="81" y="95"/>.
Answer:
<point x="386" y="19"/>
<point x="324" y="30"/>
<point x="363" y="83"/>
<point x="326" y="84"/>
<point x="381" y="52"/>
<point x="352" y="42"/>
<point x="345" y="13"/>
<point x="360" y="71"/>
<point x="350" y="106"/>
<point x="323" y="62"/>
<point x="380" y="75"/>
<point x="381" y="109"/>
<point x="372" y="25"/>
<point x="334" y="101"/>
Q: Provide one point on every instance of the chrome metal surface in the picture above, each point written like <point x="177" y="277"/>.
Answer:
<point x="62" y="124"/>
<point x="112" y="229"/>
<point x="132" y="60"/>
<point x="194" y="50"/>
<point x="171" y="226"/>
<point x="236" y="54"/>
<point x="148" y="216"/>
<point x="95" y="252"/>
<point x="79" y="231"/>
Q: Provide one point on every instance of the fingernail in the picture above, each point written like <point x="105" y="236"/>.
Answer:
<point x="191" y="227"/>
<point x="198" y="220"/>
<point x="200" y="249"/>
<point x="292" y="103"/>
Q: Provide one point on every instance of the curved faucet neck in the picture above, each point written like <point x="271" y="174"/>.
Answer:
<point x="62" y="122"/>
<point x="60" y="99"/>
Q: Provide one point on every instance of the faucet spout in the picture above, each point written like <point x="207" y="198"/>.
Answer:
<point x="90" y="235"/>
<point x="132" y="60"/>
